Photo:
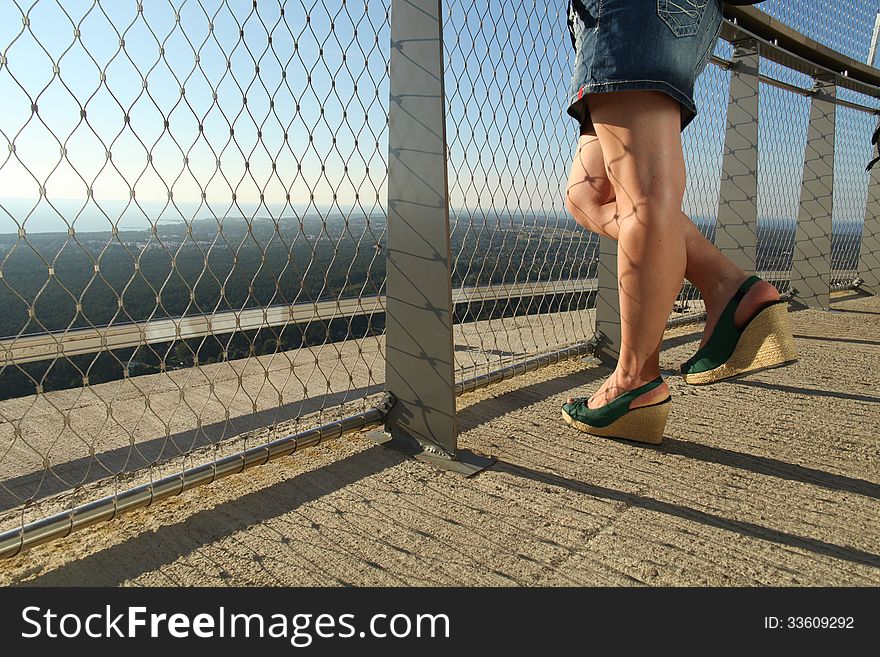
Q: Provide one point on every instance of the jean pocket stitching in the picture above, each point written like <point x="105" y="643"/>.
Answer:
<point x="682" y="17"/>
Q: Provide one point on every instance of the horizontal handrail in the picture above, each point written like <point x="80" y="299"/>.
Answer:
<point x="790" y="48"/>
<point x="75" y="342"/>
<point x="726" y="64"/>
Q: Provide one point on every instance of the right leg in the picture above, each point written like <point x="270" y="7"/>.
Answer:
<point x="591" y="201"/>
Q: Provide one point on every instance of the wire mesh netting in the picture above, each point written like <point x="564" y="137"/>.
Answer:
<point x="703" y="145"/>
<point x="192" y="218"/>
<point x="783" y="120"/>
<point x="524" y="271"/>
<point x="843" y="25"/>
<point x="502" y="160"/>
<point x="506" y="167"/>
<point x="852" y="151"/>
<point x="846" y="26"/>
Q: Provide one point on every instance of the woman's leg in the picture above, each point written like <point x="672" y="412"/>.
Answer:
<point x="639" y="134"/>
<point x="590" y="199"/>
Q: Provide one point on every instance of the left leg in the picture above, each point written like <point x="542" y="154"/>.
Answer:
<point x="639" y="134"/>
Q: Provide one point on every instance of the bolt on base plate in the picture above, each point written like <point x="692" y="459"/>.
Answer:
<point x="465" y="463"/>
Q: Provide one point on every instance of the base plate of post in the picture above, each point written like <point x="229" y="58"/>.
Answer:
<point x="465" y="462"/>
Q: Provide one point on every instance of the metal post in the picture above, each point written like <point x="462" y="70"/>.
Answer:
<point x="811" y="266"/>
<point x="869" y="254"/>
<point x="608" y="302"/>
<point x="419" y="364"/>
<point x="736" y="227"/>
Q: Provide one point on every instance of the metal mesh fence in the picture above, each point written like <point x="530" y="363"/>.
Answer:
<point x="783" y="119"/>
<point x="192" y="217"/>
<point x="847" y="27"/>
<point x="842" y="25"/>
<point x="783" y="122"/>
<point x="491" y="94"/>
<point x="703" y="145"/>
<point x="524" y="271"/>
<point x="504" y="68"/>
<point x="852" y="150"/>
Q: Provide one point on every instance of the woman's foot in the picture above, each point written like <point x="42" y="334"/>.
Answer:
<point x="618" y="384"/>
<point x="623" y="410"/>
<point x="760" y="294"/>
<point x="751" y="333"/>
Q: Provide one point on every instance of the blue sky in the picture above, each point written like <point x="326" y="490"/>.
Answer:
<point x="322" y="83"/>
<point x="174" y="90"/>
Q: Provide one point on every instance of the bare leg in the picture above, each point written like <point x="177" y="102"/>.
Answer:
<point x="591" y="200"/>
<point x="639" y="136"/>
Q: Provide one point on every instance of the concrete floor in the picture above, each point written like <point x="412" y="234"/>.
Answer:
<point x="773" y="479"/>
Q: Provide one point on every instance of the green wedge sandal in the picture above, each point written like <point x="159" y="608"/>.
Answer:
<point x="615" y="419"/>
<point x="763" y="343"/>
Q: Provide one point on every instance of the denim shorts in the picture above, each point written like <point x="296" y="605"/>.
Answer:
<point x="661" y="45"/>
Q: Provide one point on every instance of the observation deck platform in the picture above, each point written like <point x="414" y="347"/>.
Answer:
<point x="773" y="479"/>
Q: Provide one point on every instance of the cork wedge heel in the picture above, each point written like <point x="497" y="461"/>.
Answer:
<point x="643" y="424"/>
<point x="763" y="343"/>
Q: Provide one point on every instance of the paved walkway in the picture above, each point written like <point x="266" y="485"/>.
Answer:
<point x="770" y="480"/>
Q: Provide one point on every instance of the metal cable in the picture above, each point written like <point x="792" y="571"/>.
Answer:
<point x="510" y="148"/>
<point x="192" y="221"/>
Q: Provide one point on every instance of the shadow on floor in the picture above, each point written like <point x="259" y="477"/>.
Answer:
<point x="857" y="312"/>
<point x="494" y="407"/>
<point x="740" y="527"/>
<point x="88" y="469"/>
<point x="852" y="294"/>
<point x="823" y="338"/>
<point x="677" y="341"/>
<point x="811" y="392"/>
<point x="152" y="550"/>
<point x="486" y="410"/>
<point x="770" y="467"/>
<point x="511" y="401"/>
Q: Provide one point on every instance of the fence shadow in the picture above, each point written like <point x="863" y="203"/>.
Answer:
<point x="810" y="392"/>
<point x="741" y="527"/>
<point x="823" y="338"/>
<point x="770" y="467"/>
<point x="153" y="549"/>
<point x="82" y="471"/>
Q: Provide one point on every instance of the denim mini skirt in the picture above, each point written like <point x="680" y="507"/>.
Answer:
<point x="662" y="45"/>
